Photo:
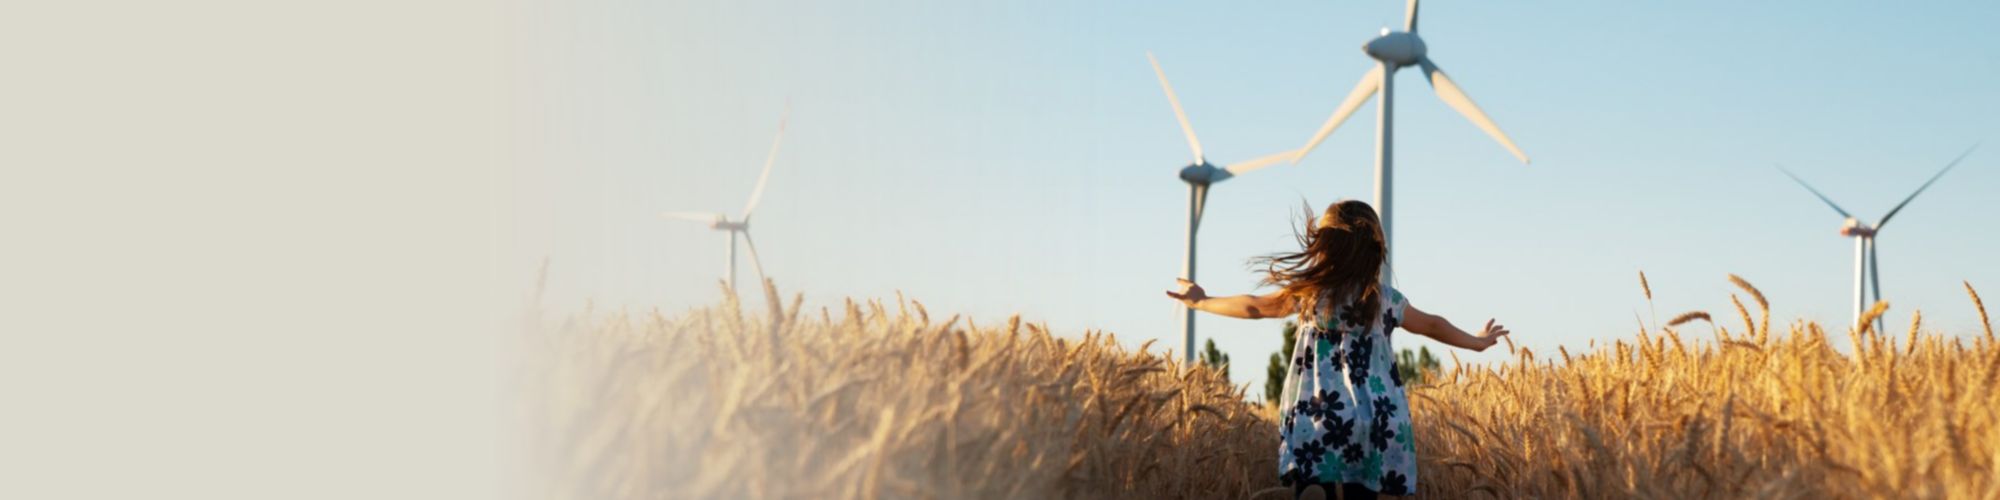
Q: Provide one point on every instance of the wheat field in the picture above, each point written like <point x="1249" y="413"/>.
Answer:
<point x="879" y="399"/>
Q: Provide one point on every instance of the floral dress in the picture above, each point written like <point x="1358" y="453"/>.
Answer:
<point x="1344" y="415"/>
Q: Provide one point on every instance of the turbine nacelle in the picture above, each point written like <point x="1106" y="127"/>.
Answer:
<point x="1204" y="173"/>
<point x="1397" y="48"/>
<point x="1854" y="228"/>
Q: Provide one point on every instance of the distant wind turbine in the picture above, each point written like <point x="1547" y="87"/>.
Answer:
<point x="1396" y="50"/>
<point x="741" y="226"/>
<point x="1199" y="176"/>
<point x="1867" y="275"/>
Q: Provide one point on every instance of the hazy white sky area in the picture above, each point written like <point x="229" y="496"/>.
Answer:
<point x="279" y="249"/>
<point x="251" y="248"/>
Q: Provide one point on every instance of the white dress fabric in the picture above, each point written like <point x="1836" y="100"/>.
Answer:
<point x="1344" y="416"/>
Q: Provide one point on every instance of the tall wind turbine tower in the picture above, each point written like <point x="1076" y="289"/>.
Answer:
<point x="1395" y="50"/>
<point x="1867" y="275"/>
<point x="1199" y="176"/>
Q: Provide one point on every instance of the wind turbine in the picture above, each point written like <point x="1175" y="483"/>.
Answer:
<point x="1199" y="176"/>
<point x="1867" y="275"/>
<point x="1395" y="50"/>
<point x="741" y="225"/>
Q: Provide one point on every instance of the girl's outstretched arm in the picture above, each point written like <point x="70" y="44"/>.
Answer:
<point x="1274" y="304"/>
<point x="1436" y="327"/>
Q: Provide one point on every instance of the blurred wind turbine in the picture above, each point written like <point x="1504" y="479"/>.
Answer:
<point x="741" y="226"/>
<point x="1396" y="50"/>
<point x="1867" y="275"/>
<point x="1199" y="176"/>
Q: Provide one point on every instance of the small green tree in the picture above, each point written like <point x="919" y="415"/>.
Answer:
<point x="1281" y="363"/>
<point x="1417" y="366"/>
<point x="1215" y="359"/>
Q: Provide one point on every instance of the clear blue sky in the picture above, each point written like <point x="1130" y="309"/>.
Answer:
<point x="1000" y="157"/>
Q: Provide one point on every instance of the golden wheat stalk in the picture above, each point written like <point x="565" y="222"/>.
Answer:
<point x="1981" y="306"/>
<point x="1868" y="318"/>
<point x="1916" y="322"/>
<point x="1689" y="316"/>
<point x="1648" y="288"/>
<point x="1763" y="306"/>
<point x="1748" y="326"/>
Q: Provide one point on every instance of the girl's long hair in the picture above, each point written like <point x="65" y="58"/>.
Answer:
<point x="1340" y="259"/>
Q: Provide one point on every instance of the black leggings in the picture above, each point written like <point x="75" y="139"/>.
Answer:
<point x="1348" y="491"/>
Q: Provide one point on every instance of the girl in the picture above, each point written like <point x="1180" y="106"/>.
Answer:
<point x="1344" y="419"/>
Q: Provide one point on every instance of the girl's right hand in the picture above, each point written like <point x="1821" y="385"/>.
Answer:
<point x="1190" y="293"/>
<point x="1492" y="333"/>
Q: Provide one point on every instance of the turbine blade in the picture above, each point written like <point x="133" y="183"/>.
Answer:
<point x="1370" y="82"/>
<point x="1187" y="128"/>
<point x="1200" y="203"/>
<point x="1410" y="17"/>
<point x="1241" y="168"/>
<point x="1927" y="184"/>
<point x="1815" y="192"/>
<point x="693" y="216"/>
<point x="755" y="263"/>
<point x="757" y="194"/>
<point x="1452" y="95"/>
